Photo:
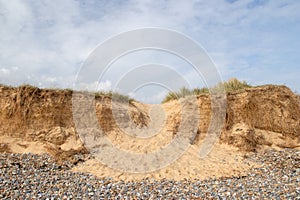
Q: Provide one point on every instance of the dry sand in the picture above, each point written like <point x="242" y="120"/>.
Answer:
<point x="40" y="121"/>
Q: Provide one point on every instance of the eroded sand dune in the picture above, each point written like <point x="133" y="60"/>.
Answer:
<point x="39" y="120"/>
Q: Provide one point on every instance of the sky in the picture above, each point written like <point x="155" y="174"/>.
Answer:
<point x="45" y="43"/>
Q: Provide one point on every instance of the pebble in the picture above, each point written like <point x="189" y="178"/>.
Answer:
<point x="31" y="176"/>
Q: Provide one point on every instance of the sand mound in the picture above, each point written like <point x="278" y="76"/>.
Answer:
<point x="41" y="120"/>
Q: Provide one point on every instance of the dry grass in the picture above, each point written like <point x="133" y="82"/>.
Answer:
<point x="115" y="96"/>
<point x="233" y="85"/>
<point x="229" y="86"/>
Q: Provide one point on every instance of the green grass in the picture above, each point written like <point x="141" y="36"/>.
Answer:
<point x="233" y="85"/>
<point x="229" y="86"/>
<point x="183" y="92"/>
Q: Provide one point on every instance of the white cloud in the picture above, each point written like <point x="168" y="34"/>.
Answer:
<point x="4" y="72"/>
<point x="48" y="43"/>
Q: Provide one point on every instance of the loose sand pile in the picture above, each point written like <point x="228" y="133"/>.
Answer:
<point x="38" y="120"/>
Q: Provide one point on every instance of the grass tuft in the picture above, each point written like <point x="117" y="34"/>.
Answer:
<point x="231" y="85"/>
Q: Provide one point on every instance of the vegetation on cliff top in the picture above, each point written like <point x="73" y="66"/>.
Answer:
<point x="229" y="86"/>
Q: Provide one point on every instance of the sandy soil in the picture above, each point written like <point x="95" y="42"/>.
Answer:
<point x="41" y="121"/>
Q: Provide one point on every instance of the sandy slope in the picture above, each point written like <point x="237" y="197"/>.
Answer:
<point x="38" y="121"/>
<point x="222" y="161"/>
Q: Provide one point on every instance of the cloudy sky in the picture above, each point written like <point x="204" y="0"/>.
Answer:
<point x="45" y="43"/>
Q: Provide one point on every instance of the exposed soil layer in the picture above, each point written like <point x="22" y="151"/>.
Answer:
<point x="41" y="120"/>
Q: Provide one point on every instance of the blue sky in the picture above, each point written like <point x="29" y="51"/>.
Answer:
<point x="45" y="42"/>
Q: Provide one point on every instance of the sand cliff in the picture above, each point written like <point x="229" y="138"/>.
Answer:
<point x="41" y="120"/>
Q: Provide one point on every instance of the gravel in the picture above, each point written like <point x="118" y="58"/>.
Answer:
<point x="31" y="176"/>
